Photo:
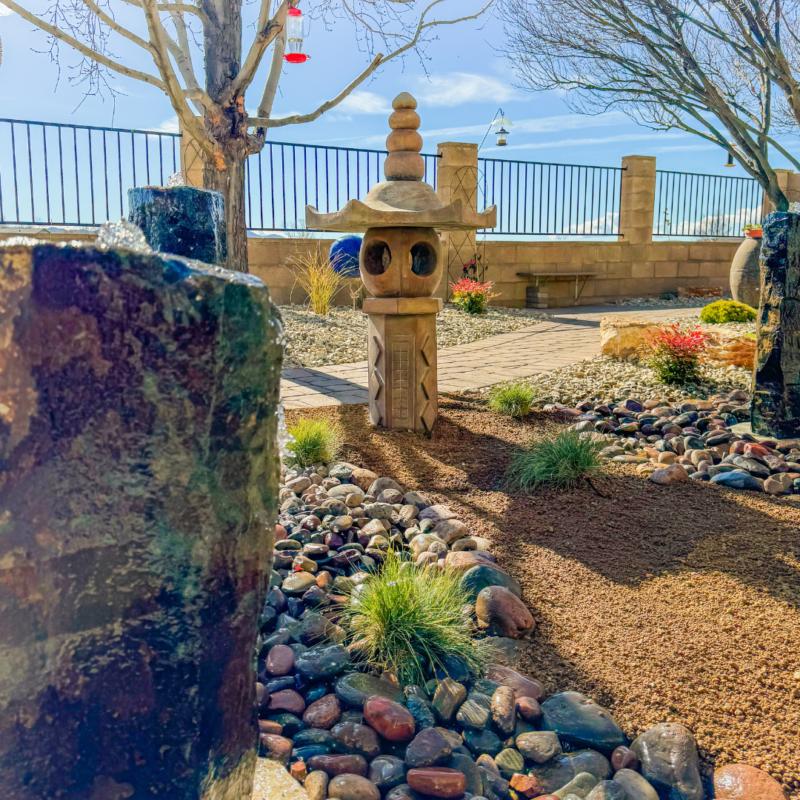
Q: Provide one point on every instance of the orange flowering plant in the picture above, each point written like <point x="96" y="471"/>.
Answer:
<point x="472" y="296"/>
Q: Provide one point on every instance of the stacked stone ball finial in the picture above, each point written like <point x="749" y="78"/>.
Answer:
<point x="404" y="162"/>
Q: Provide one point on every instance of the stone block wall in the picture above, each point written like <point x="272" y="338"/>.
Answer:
<point x="624" y="269"/>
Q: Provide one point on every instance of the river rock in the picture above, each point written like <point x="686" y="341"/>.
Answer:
<point x="737" y="480"/>
<point x="356" y="687"/>
<point x="483" y="742"/>
<point x="475" y="711"/>
<point x="675" y="473"/>
<point x="427" y="749"/>
<point x="464" y="764"/>
<point x="623" y="758"/>
<point x="437" y="781"/>
<point x="668" y="755"/>
<point x="502" y="613"/>
<point x="636" y="787"/>
<point x="742" y="782"/>
<point x="560" y="770"/>
<point x="582" y="723"/>
<point x="316" y="785"/>
<point x="579" y="786"/>
<point x="350" y="737"/>
<point x="353" y="787"/>
<point x="323" y="713"/>
<point x="504" y="709"/>
<point x="389" y="719"/>
<point x="448" y="696"/>
<point x="287" y="700"/>
<point x="538" y="746"/>
<point x="333" y="765"/>
<point x="526" y="785"/>
<point x="529" y="709"/>
<point x="607" y="790"/>
<point x="280" y="660"/>
<point x="298" y="583"/>
<point x="509" y="761"/>
<point x="277" y="748"/>
<point x="386" y="772"/>
<point x="521" y="684"/>
<point x="421" y="710"/>
<point x="322" y="661"/>
<point x="479" y="577"/>
<point x="449" y="530"/>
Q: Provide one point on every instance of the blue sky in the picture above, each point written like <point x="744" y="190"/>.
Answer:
<point x="459" y="85"/>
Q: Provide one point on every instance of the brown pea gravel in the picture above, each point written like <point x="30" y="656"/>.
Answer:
<point x="678" y="603"/>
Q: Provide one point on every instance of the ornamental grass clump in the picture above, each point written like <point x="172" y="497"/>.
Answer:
<point x="675" y="354"/>
<point x="409" y="620"/>
<point x="727" y="311"/>
<point x="512" y="399"/>
<point x="312" y="441"/>
<point x="316" y="275"/>
<point x="560" y="461"/>
<point x="471" y="296"/>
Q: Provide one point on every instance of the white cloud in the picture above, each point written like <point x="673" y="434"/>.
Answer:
<point x="169" y="125"/>
<point x="462" y="87"/>
<point x="364" y="103"/>
<point x="624" y="137"/>
<point x="5" y="11"/>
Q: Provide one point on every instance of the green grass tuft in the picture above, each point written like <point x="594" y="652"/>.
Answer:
<point x="407" y="620"/>
<point x="727" y="311"/>
<point x="513" y="399"/>
<point x="315" y="440"/>
<point x="560" y="461"/>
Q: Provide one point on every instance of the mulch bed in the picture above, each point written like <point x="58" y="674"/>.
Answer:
<point x="677" y="603"/>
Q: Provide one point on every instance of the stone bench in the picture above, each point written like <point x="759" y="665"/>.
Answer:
<point x="536" y="295"/>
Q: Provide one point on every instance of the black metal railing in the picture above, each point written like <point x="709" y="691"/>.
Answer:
<point x="54" y="174"/>
<point x="283" y="178"/>
<point x="692" y="205"/>
<point x="538" y="199"/>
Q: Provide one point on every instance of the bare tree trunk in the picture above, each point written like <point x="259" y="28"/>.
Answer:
<point x="225" y="173"/>
<point x="230" y="183"/>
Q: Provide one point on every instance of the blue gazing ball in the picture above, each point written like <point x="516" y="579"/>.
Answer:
<point x="344" y="255"/>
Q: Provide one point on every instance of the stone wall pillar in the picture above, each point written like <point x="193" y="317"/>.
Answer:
<point x="138" y="488"/>
<point x="789" y="182"/>
<point x="637" y="199"/>
<point x="191" y="160"/>
<point x="457" y="178"/>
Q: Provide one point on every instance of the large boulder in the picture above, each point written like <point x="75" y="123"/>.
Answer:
<point x="139" y="484"/>
<point x="621" y="337"/>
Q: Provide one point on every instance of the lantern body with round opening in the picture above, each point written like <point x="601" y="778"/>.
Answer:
<point x="401" y="262"/>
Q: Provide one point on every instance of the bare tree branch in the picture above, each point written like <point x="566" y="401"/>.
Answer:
<point x="100" y="58"/>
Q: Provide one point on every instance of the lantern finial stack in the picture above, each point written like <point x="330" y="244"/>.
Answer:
<point x="404" y="163"/>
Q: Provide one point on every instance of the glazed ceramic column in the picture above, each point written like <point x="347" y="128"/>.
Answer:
<point x="138" y="491"/>
<point x="776" y="396"/>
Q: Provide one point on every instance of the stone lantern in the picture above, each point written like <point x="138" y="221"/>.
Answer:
<point x="401" y="266"/>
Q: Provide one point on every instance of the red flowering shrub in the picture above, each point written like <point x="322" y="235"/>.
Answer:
<point x="675" y="354"/>
<point x="472" y="296"/>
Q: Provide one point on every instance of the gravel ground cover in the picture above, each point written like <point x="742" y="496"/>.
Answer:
<point x="604" y="379"/>
<point x="668" y="302"/>
<point x="662" y="603"/>
<point x="341" y="336"/>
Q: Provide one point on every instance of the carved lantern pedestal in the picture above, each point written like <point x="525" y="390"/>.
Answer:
<point x="401" y="266"/>
<point x="402" y="362"/>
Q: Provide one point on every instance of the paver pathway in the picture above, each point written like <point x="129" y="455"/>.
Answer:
<point x="572" y="335"/>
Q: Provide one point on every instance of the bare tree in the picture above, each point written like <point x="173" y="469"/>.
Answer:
<point x="226" y="134"/>
<point x="714" y="68"/>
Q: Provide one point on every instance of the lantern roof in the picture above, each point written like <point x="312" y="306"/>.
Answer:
<point x="403" y="199"/>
